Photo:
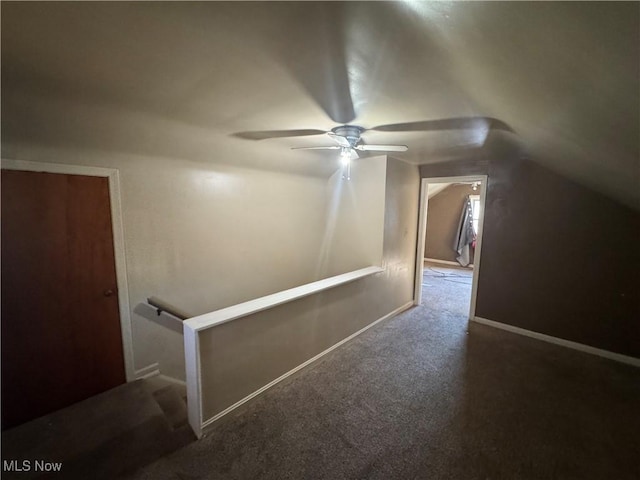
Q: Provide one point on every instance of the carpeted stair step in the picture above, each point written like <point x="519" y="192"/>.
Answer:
<point x="173" y="406"/>
<point x="103" y="437"/>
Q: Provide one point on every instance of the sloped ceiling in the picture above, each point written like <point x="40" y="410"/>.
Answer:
<point x="435" y="188"/>
<point x="180" y="79"/>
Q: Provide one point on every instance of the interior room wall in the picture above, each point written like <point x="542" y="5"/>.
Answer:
<point x="443" y="218"/>
<point x="204" y="236"/>
<point x="241" y="356"/>
<point x="199" y="232"/>
<point x="354" y="225"/>
<point x="561" y="262"/>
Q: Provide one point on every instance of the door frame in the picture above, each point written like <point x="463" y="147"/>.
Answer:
<point x="118" y="239"/>
<point x="422" y="233"/>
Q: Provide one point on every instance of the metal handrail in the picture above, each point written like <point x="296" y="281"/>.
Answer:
<point x="162" y="306"/>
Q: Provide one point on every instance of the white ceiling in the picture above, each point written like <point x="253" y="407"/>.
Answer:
<point x="180" y="79"/>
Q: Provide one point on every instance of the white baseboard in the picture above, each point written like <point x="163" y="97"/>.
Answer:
<point x="174" y="381"/>
<point x="153" y="370"/>
<point x="446" y="262"/>
<point x="209" y="422"/>
<point x="148" y="371"/>
<point x="618" y="357"/>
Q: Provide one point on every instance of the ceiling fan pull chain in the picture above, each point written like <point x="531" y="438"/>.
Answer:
<point x="347" y="171"/>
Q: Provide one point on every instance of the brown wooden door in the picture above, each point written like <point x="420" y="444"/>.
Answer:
<point x="61" y="335"/>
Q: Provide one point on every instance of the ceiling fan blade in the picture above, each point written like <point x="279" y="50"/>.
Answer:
<point x="317" y="148"/>
<point x="265" y="134"/>
<point x="382" y="148"/>
<point x="339" y="139"/>
<point x="454" y="123"/>
<point x="325" y="74"/>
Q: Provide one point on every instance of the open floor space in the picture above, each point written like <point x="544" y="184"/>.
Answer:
<point x="424" y="395"/>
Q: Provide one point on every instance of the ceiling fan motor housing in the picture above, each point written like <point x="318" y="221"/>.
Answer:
<point x="350" y="132"/>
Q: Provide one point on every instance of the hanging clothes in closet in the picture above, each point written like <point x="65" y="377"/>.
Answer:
<point x="465" y="235"/>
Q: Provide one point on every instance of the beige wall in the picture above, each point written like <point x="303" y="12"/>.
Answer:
<point x="206" y="224"/>
<point x="354" y="225"/>
<point x="203" y="237"/>
<point x="241" y="356"/>
<point x="443" y="219"/>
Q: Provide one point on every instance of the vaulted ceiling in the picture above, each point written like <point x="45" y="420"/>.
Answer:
<point x="183" y="79"/>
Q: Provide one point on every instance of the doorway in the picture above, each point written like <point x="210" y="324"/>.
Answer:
<point x="444" y="269"/>
<point x="62" y="301"/>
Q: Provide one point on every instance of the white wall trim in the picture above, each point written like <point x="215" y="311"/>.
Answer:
<point x="148" y="371"/>
<point x="240" y="310"/>
<point x="618" y="357"/>
<point x="172" y="380"/>
<point x="422" y="240"/>
<point x="118" y="239"/>
<point x="153" y="371"/>
<point x="193" y="326"/>
<point x="422" y="232"/>
<point x="210" y="421"/>
<point x="447" y="262"/>
<point x="194" y="379"/>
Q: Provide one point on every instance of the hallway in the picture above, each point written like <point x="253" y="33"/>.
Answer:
<point x="422" y="396"/>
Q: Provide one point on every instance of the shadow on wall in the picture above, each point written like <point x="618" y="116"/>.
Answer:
<point x="161" y="318"/>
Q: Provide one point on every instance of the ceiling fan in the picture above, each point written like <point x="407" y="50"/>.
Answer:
<point x="349" y="137"/>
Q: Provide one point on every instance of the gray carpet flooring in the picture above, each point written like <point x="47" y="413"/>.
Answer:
<point x="424" y="395"/>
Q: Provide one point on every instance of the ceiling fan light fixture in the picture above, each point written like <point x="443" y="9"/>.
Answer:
<point x="345" y="156"/>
